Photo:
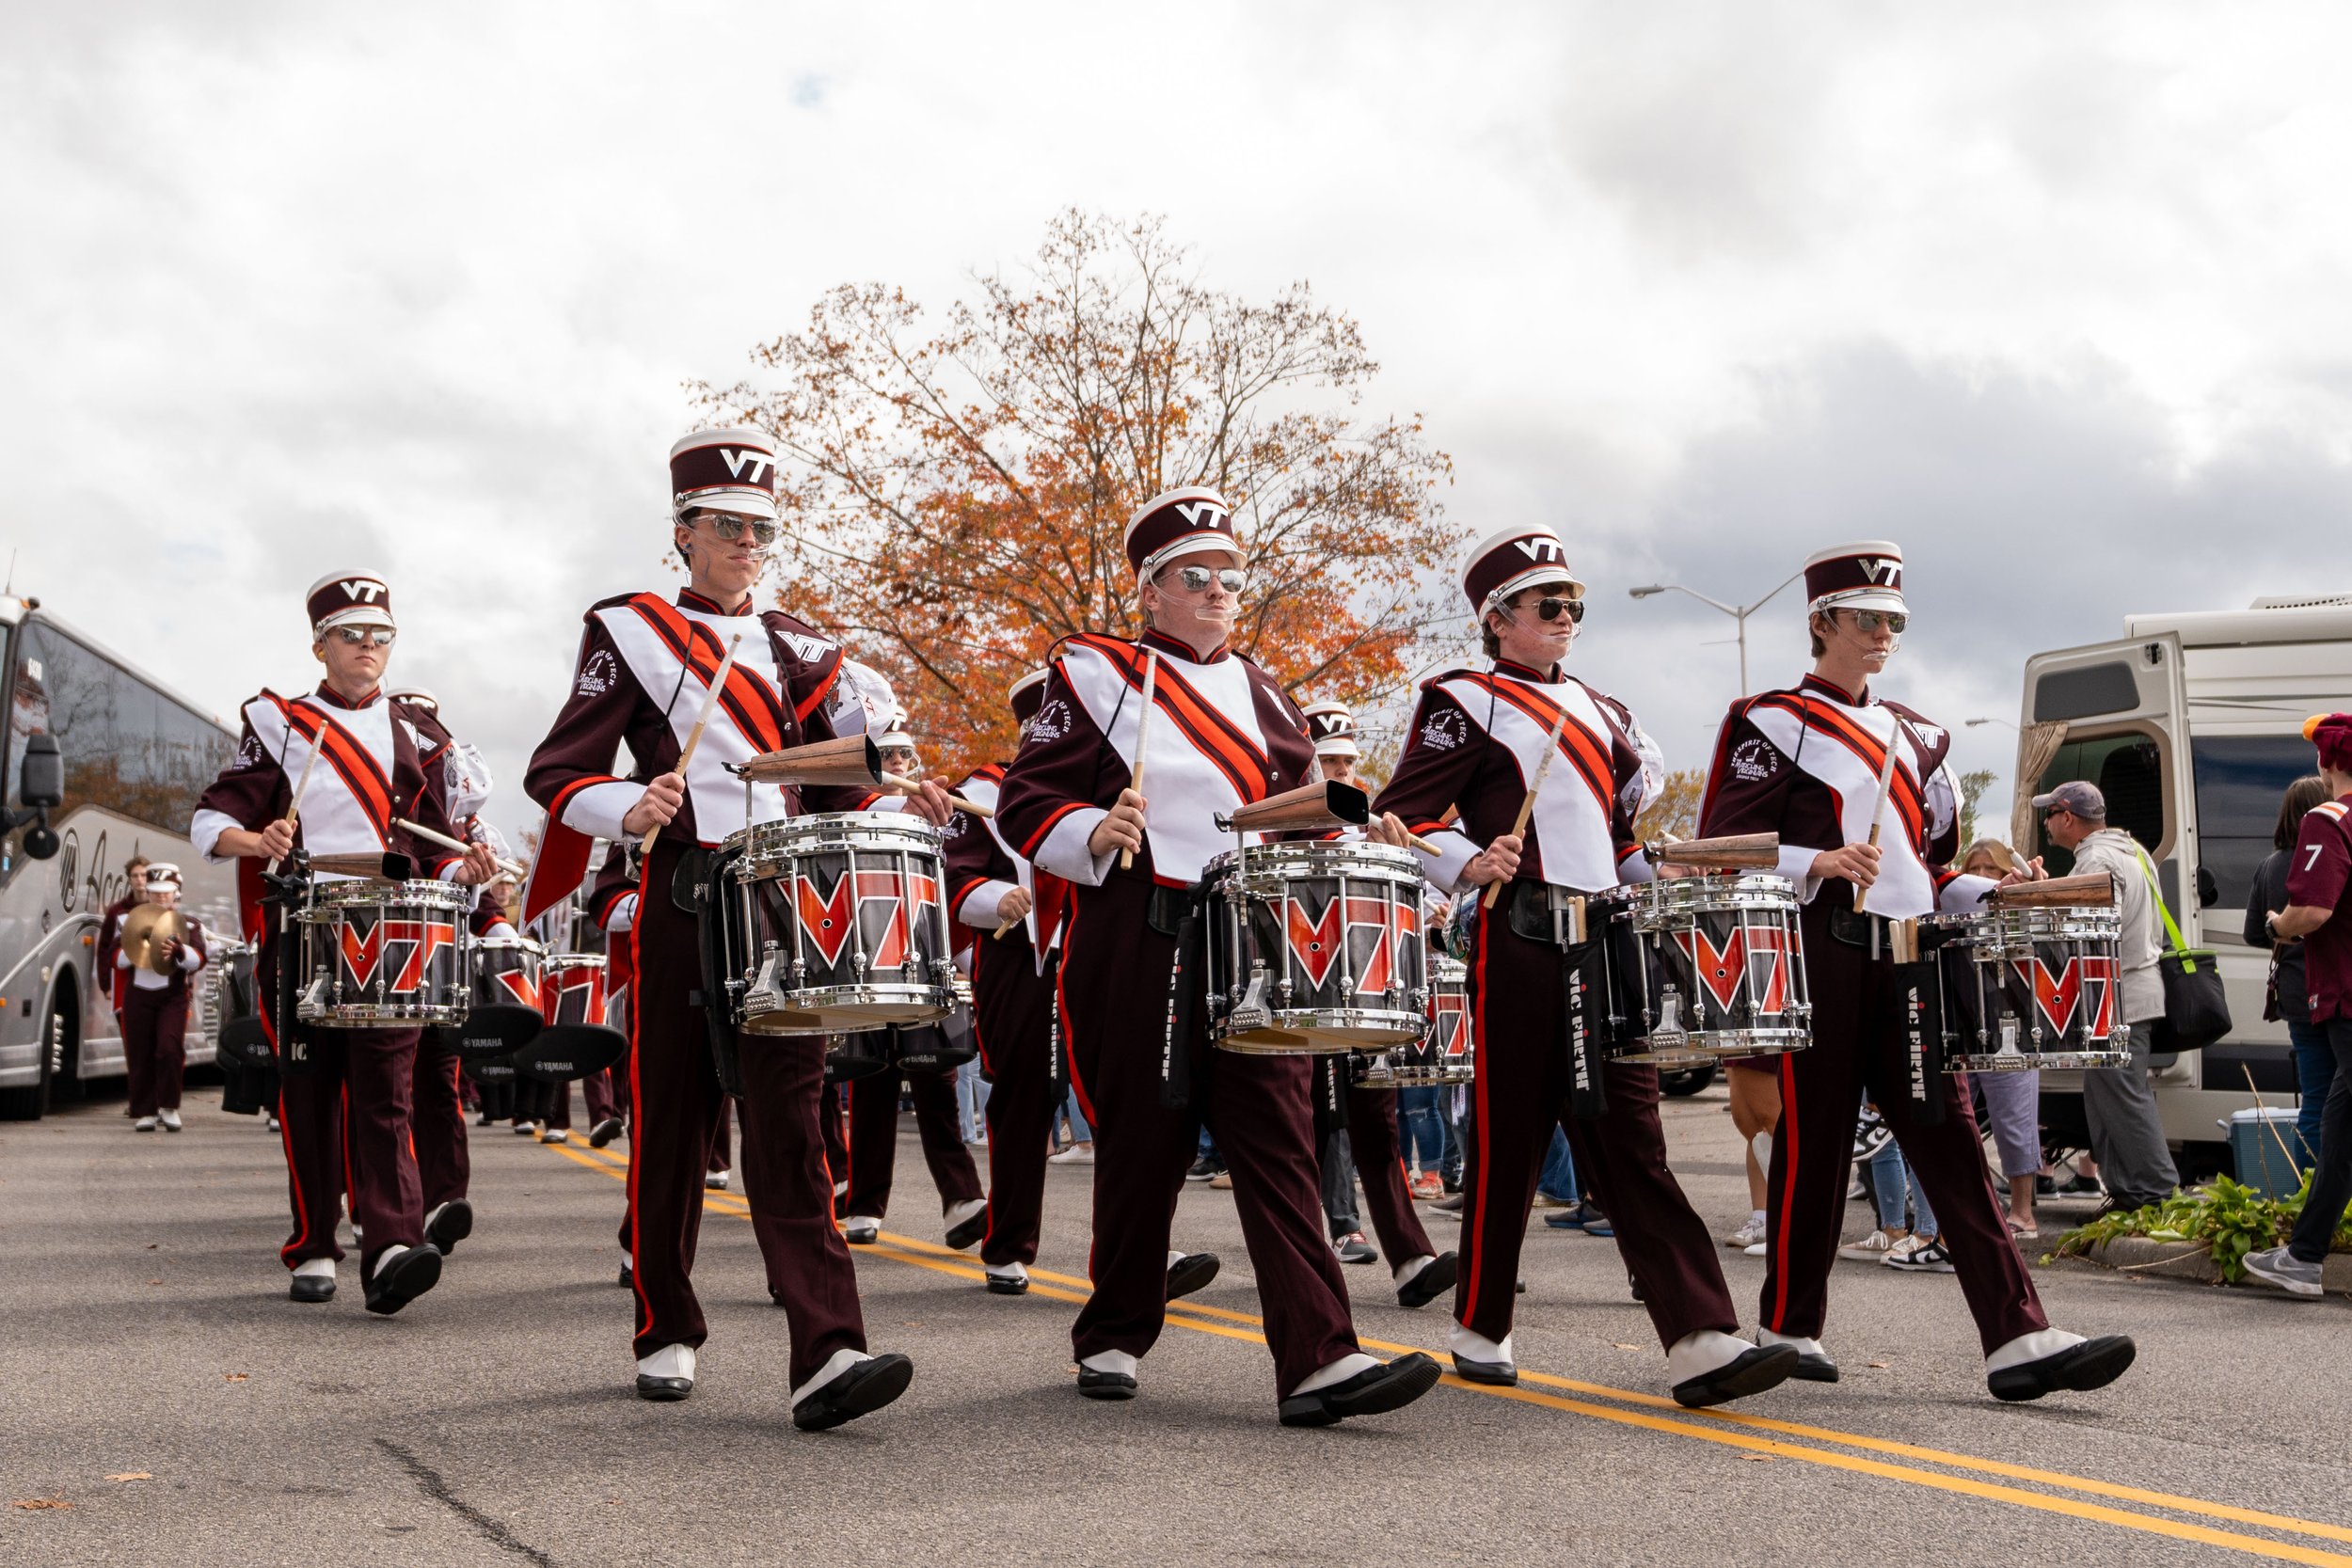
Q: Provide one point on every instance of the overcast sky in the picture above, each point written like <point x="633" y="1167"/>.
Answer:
<point x="2055" y="297"/>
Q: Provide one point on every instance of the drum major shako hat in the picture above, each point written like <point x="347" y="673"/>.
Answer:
<point x="1868" y="576"/>
<point x="1027" y="696"/>
<point x="731" y="470"/>
<point x="349" y="599"/>
<point x="1332" y="728"/>
<point x="1178" y="523"/>
<point x="1501" y="563"/>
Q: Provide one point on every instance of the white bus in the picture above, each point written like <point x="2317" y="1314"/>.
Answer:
<point x="2191" y="725"/>
<point x="135" y="754"/>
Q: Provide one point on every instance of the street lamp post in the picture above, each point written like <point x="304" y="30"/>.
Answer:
<point x="1739" y="614"/>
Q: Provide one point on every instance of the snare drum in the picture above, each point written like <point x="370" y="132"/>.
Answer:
<point x="837" y="924"/>
<point x="1315" y="948"/>
<point x="575" y="1039"/>
<point x="945" y="1046"/>
<point x="1446" y="1054"/>
<point x="1714" y="968"/>
<point x="503" y="1006"/>
<point x="382" y="955"/>
<point x="2030" y="988"/>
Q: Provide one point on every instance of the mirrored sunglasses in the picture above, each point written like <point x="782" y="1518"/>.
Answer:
<point x="351" y="637"/>
<point x="731" y="528"/>
<point x="1196" y="578"/>
<point x="1871" y="619"/>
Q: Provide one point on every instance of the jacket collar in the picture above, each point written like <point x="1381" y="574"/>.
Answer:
<point x="688" y="599"/>
<point x="1831" y="689"/>
<point x="333" y="698"/>
<point x="1176" y="647"/>
<point x="1519" y="672"/>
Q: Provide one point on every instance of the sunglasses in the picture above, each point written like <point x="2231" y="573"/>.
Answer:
<point x="1553" y="607"/>
<point x="351" y="637"/>
<point x="1196" y="578"/>
<point x="1871" y="619"/>
<point x="729" y="529"/>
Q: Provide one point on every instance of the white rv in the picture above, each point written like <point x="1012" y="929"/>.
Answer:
<point x="2191" y="726"/>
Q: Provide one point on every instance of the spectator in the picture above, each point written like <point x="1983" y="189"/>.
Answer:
<point x="2319" y="910"/>
<point x="972" y="1103"/>
<point x="1422" y="1136"/>
<point x="1079" y="1151"/>
<point x="2012" y="1100"/>
<point x="2126" y="1134"/>
<point x="2289" y="999"/>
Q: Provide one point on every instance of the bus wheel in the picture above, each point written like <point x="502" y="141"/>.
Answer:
<point x="26" y="1104"/>
<point x="64" y="1078"/>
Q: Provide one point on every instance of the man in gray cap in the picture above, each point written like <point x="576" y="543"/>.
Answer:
<point x="2126" y="1134"/>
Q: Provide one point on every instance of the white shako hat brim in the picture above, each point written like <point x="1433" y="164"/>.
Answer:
<point x="1336" y="746"/>
<point x="349" y="598"/>
<point x="1177" y="523"/>
<point x="725" y="470"/>
<point x="1026" y="695"/>
<point x="1863" y="576"/>
<point x="1511" y="558"/>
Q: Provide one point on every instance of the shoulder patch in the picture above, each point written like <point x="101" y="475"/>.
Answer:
<point x="1754" y="759"/>
<point x="1444" y="730"/>
<point x="598" y="675"/>
<point x="1049" y="723"/>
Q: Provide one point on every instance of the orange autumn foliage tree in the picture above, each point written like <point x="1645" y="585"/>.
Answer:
<point x="955" y="493"/>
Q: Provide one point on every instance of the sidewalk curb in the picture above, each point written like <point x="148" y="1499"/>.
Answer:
<point x="2192" y="1262"/>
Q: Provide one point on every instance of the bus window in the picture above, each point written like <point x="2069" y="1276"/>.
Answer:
<point x="2128" y="768"/>
<point x="128" y="748"/>
<point x="2240" y="782"/>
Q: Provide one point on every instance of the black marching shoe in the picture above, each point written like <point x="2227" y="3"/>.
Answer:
<point x="1755" y="1371"/>
<point x="1106" y="1385"/>
<point x="395" y="1284"/>
<point x="1007" y="1284"/>
<point x="451" y="1224"/>
<point x="963" y="1236"/>
<point x="671" y="1377"/>
<point x="1431" y="1283"/>
<point x="1814" y="1366"/>
<point x="2092" y="1364"/>
<point x="1499" y="1374"/>
<point x="1373" y="1391"/>
<point x="863" y="1389"/>
<point x="1190" y="1272"/>
<point x="311" y="1287"/>
<point x="604" y="1131"/>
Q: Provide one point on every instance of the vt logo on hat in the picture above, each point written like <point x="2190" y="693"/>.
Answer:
<point x="1332" y="727"/>
<point x="1865" y="576"/>
<point x="1501" y="563"/>
<point x="728" y="470"/>
<point x="349" y="599"/>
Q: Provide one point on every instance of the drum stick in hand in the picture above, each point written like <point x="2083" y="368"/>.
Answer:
<point x="433" y="836"/>
<point x="695" y="735"/>
<point x="1143" y="728"/>
<point x="905" y="785"/>
<point x="1527" y="807"/>
<point x="294" y="808"/>
<point x="1887" y="788"/>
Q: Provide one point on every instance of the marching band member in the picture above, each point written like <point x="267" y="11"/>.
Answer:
<point x="873" y="1128"/>
<point x="1223" y="734"/>
<point x="374" y="775"/>
<point x="1478" y="740"/>
<point x="1420" y="1273"/>
<point x="110" y="932"/>
<point x="989" y="885"/>
<point x="1807" y="761"/>
<point x="155" y="1009"/>
<point x="640" y="682"/>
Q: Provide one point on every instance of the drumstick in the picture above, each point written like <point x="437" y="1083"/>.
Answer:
<point x="905" y="785"/>
<point x="294" y="807"/>
<point x="1143" y="727"/>
<point x="1887" y="788"/>
<point x="695" y="735"/>
<point x="1527" y="807"/>
<point x="432" y="836"/>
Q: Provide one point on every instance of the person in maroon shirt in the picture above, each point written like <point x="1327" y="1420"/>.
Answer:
<point x="1223" y="733"/>
<point x="2319" y="910"/>
<point x="645" y="663"/>
<point x="1807" y="763"/>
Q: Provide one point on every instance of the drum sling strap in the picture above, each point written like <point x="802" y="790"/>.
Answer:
<point x="1175" y="912"/>
<point x="1584" y="989"/>
<point x="695" y="886"/>
<point x="1329" y="1093"/>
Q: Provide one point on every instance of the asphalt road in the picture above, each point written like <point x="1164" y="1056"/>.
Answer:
<point x="149" y="1336"/>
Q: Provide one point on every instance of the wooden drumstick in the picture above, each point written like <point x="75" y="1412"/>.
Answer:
<point x="905" y="785"/>
<point x="294" y="807"/>
<point x="1143" y="728"/>
<point x="695" y="735"/>
<point x="433" y="836"/>
<point x="1887" y="788"/>
<point x="1527" y="807"/>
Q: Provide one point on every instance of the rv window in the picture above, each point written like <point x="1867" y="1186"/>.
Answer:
<point x="2240" y="779"/>
<point x="2086" y="693"/>
<point x="2129" y="770"/>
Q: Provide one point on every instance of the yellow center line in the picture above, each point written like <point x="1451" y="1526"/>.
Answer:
<point x="1707" y="1426"/>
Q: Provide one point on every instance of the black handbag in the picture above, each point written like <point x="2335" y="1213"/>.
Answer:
<point x="2196" y="1009"/>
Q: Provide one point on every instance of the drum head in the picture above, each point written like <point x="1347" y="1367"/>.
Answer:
<point x="244" y="1043"/>
<point x="566" y="1052"/>
<point x="494" y="1031"/>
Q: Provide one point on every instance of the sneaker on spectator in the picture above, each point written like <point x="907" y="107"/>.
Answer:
<point x="2279" y="1267"/>
<point x="1353" y="1248"/>
<point x="1872" y="1248"/>
<point x="1426" y="1185"/>
<point x="1223" y="1180"/>
<point x="1919" y="1255"/>
<point x="1202" y="1169"/>
<point x="1449" y="1204"/>
<point x="1076" y="1154"/>
<point x="1751" y="1233"/>
<point x="1870" y="1134"/>
<point x="1546" y="1200"/>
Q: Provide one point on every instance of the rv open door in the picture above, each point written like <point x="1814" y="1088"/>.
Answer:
<point x="2116" y="714"/>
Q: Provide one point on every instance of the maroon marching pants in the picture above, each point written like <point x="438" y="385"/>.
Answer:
<point x="596" y="1089"/>
<point x="1114" y="1008"/>
<point x="1857" y="1050"/>
<point x="1388" y="1200"/>
<point x="154" y="1046"/>
<point x="1012" y="1020"/>
<point x="345" y="1121"/>
<point x="444" y="1166"/>
<point x="874" y="1140"/>
<point x="677" y="1107"/>
<point x="1519" y="1008"/>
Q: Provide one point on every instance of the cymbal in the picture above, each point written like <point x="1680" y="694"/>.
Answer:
<point x="144" y="930"/>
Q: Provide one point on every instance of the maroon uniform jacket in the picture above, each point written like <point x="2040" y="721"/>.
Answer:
<point x="1223" y="733"/>
<point x="1477" y="742"/>
<point x="776" y="696"/>
<point x="1806" y="763"/>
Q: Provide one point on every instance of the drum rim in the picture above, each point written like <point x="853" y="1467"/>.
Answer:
<point x="909" y="833"/>
<point x="1751" y="890"/>
<point x="2021" y="1061"/>
<point x="376" y="1016"/>
<point x="506" y="944"/>
<point x="1386" y="856"/>
<point x="328" y="900"/>
<point x="578" y="960"/>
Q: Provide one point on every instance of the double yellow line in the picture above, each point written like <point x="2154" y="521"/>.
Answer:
<point x="1762" y="1436"/>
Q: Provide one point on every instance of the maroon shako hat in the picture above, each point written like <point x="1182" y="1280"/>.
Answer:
<point x="1178" y="523"/>
<point x="1501" y="563"/>
<point x="1028" y="695"/>
<point x="729" y="470"/>
<point x="349" y="599"/>
<point x="1868" y="576"/>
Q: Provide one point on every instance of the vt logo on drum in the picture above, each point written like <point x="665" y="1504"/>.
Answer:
<point x="422" y="939"/>
<point x="2056" y="997"/>
<point x="1449" y="1024"/>
<point x="825" y="917"/>
<point x="1725" y="969"/>
<point x="1314" y="942"/>
<point x="574" y="995"/>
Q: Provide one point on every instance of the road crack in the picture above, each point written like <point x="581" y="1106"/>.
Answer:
<point x="435" y="1486"/>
